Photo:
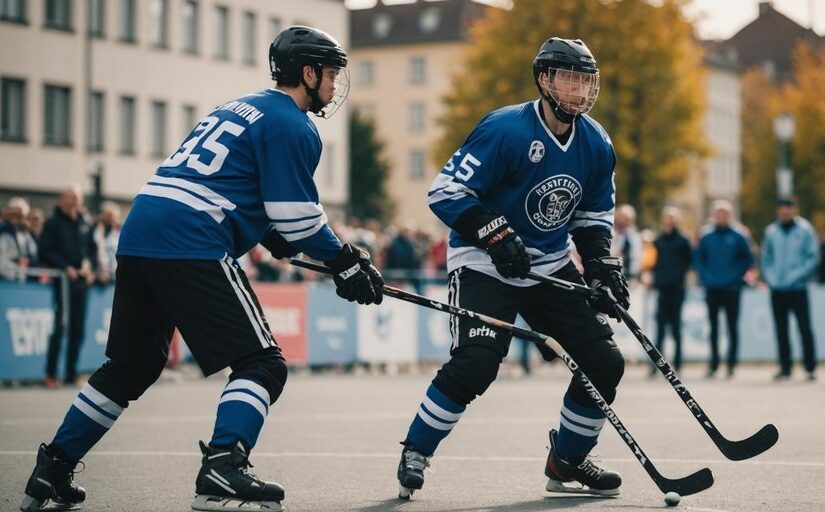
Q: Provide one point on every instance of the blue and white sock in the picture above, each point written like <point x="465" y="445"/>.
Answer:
<point x="242" y="410"/>
<point x="578" y="430"/>
<point x="436" y="417"/>
<point x="90" y="416"/>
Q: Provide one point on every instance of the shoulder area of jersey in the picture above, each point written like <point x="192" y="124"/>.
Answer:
<point x="587" y="122"/>
<point x="506" y="119"/>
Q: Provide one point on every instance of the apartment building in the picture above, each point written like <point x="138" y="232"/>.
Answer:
<point x="111" y="87"/>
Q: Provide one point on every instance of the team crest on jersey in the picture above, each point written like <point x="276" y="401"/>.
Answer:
<point x="536" y="152"/>
<point x="551" y="203"/>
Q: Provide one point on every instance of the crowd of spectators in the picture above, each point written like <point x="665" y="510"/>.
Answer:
<point x="722" y="253"/>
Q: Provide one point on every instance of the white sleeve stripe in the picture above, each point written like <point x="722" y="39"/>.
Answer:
<point x="290" y="210"/>
<point x="299" y="219"/>
<point x="306" y="233"/>
<point x="297" y="227"/>
<point x="581" y="223"/>
<point x="437" y="198"/>
<point x="197" y="188"/>
<point x="608" y="215"/>
<point x="184" y="197"/>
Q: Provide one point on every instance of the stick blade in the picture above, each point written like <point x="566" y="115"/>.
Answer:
<point x="691" y="484"/>
<point x="752" y="446"/>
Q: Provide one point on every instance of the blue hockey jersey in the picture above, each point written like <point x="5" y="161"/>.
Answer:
<point x="247" y="167"/>
<point x="512" y="165"/>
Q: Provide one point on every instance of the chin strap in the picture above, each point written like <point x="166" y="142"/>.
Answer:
<point x="316" y="105"/>
<point x="560" y="114"/>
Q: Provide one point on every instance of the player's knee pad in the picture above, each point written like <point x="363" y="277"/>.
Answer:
<point x="124" y="382"/>
<point x="603" y="363"/>
<point x="469" y="373"/>
<point x="267" y="367"/>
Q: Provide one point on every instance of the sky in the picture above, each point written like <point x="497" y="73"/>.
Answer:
<point x="717" y="19"/>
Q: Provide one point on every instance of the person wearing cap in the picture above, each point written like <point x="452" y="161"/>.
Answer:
<point x="790" y="254"/>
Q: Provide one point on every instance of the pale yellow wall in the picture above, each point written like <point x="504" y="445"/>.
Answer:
<point x="41" y="56"/>
<point x="388" y="99"/>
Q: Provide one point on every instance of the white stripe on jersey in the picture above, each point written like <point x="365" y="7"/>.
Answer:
<point x="583" y="219"/>
<point x="197" y="188"/>
<point x="299" y="225"/>
<point x="184" y="197"/>
<point x="444" y="187"/>
<point x="280" y="211"/>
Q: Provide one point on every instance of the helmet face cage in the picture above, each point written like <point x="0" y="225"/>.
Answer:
<point x="574" y="91"/>
<point x="340" y="96"/>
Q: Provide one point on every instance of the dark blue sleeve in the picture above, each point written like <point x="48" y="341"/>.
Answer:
<point x="472" y="171"/>
<point x="287" y="157"/>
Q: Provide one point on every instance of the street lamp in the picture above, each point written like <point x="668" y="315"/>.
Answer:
<point x="784" y="126"/>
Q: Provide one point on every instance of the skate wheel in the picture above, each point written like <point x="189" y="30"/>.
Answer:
<point x="405" y="493"/>
<point x="30" y="504"/>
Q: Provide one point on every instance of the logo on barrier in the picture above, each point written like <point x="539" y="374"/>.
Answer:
<point x="30" y="329"/>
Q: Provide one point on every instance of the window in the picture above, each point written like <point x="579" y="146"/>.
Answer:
<point x="327" y="165"/>
<point x="189" y="118"/>
<point x="274" y="26"/>
<point x="127" y="21"/>
<point x="158" y="128"/>
<point x="96" y="17"/>
<point x="57" y="116"/>
<point x="418" y="160"/>
<point x="158" y="23"/>
<point x="13" y="10"/>
<point x="249" y="37"/>
<point x="13" y="110"/>
<point x="416" y="119"/>
<point x="127" y="125"/>
<point x="58" y="14"/>
<point x="418" y="70"/>
<point x="190" y="26"/>
<point x="96" y="126"/>
<point x="365" y="72"/>
<point x="221" y="32"/>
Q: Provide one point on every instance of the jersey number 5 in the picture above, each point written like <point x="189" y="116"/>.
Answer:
<point x="211" y="144"/>
<point x="465" y="168"/>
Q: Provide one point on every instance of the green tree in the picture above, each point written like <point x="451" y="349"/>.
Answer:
<point x="760" y="105"/>
<point x="804" y="99"/>
<point x="651" y="101"/>
<point x="368" y="172"/>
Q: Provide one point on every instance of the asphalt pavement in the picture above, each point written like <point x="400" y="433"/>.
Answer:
<point x="332" y="441"/>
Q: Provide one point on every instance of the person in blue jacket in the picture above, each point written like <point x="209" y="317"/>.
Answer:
<point x="722" y="258"/>
<point x="790" y="254"/>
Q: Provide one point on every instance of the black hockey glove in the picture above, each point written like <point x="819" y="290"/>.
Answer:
<point x="277" y="245"/>
<point x="355" y="277"/>
<point x="605" y="275"/>
<point x="493" y="234"/>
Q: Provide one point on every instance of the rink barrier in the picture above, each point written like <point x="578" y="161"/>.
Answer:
<point x="315" y="327"/>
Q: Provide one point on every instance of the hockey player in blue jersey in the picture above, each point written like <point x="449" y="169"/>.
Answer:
<point x="243" y="175"/>
<point x="529" y="182"/>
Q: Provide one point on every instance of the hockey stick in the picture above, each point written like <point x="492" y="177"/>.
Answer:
<point x="733" y="450"/>
<point x="690" y="484"/>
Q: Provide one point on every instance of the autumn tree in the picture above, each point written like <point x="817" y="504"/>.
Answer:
<point x="368" y="172"/>
<point x="651" y="100"/>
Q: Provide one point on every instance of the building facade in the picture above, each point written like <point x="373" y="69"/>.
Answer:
<point x="112" y="87"/>
<point x="402" y="61"/>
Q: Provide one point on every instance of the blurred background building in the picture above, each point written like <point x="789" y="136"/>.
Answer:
<point x="99" y="91"/>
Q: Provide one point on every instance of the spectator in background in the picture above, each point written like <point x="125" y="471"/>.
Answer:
<point x="673" y="258"/>
<point x="67" y="244"/>
<point x="35" y="221"/>
<point x="106" y="235"/>
<point x="403" y="261"/>
<point x="790" y="254"/>
<point x="18" y="249"/>
<point x="722" y="258"/>
<point x="627" y="243"/>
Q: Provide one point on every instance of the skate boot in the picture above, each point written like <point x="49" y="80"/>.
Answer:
<point x="411" y="472"/>
<point x="225" y="483"/>
<point x="591" y="479"/>
<point x="52" y="481"/>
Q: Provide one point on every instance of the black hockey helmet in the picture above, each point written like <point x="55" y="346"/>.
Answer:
<point x="581" y="72"/>
<point x="298" y="46"/>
